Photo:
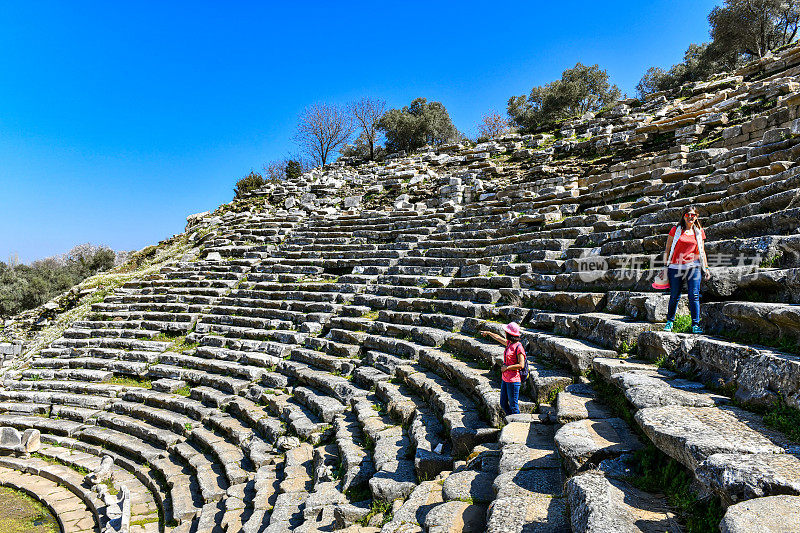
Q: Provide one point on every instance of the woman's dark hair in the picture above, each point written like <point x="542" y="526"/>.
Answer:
<point x="682" y="221"/>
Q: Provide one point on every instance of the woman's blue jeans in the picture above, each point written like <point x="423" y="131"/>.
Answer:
<point x="692" y="275"/>
<point x="509" y="397"/>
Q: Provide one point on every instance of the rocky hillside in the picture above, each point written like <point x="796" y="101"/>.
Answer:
<point x="307" y="358"/>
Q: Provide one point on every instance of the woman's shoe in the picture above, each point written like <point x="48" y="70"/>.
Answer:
<point x="697" y="330"/>
<point x="668" y="326"/>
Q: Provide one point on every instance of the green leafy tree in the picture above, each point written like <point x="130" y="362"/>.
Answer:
<point x="417" y="125"/>
<point x="740" y="31"/>
<point x="700" y="62"/>
<point x="754" y="27"/>
<point x="360" y="150"/>
<point x="581" y="89"/>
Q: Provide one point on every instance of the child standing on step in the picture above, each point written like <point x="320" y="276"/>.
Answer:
<point x="686" y="259"/>
<point x="513" y="362"/>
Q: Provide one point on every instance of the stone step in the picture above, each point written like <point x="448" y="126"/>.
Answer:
<point x="302" y="422"/>
<point x="597" y="503"/>
<point x="407" y="519"/>
<point x="286" y="336"/>
<point x="768" y="514"/>
<point x="293" y="490"/>
<point x="609" y="331"/>
<point x="769" y="320"/>
<point x="730" y="450"/>
<point x="419" y="305"/>
<point x="299" y="306"/>
<point x="529" y="477"/>
<point x="392" y="453"/>
<point x="565" y="351"/>
<point x="120" y="343"/>
<point x="247" y="322"/>
<point x="433" y="450"/>
<point x="356" y="463"/>
<point x="584" y="443"/>
<point x="459" y="413"/>
<point x="761" y="374"/>
<point x="77" y="374"/>
<point x="130" y="368"/>
<point x="40" y="478"/>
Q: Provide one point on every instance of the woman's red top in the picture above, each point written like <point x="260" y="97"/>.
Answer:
<point x="512" y="356"/>
<point x="686" y="250"/>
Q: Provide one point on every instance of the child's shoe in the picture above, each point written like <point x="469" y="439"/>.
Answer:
<point x="668" y="326"/>
<point x="697" y="330"/>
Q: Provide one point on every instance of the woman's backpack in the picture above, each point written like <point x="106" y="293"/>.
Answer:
<point x="525" y="371"/>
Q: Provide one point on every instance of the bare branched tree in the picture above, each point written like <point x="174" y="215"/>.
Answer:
<point x="322" y="129"/>
<point x="366" y="113"/>
<point x="492" y="125"/>
<point x="275" y="170"/>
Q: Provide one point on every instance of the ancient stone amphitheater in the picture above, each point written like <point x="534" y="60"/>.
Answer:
<point x="313" y="362"/>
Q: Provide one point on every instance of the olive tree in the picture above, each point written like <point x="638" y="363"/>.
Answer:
<point x="740" y="31"/>
<point x="580" y="89"/>
<point x="417" y="125"/>
<point x="754" y="27"/>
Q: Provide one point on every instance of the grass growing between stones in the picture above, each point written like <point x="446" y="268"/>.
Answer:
<point x="181" y="345"/>
<point x="129" y="382"/>
<point x="682" y="324"/>
<point x="658" y="473"/>
<point x="785" y="419"/>
<point x="143" y="521"/>
<point x="56" y="461"/>
<point x="20" y="513"/>
<point x="371" y="315"/>
<point x="552" y="394"/>
<point x="358" y="494"/>
<point x="379" y="507"/>
<point x="614" y="399"/>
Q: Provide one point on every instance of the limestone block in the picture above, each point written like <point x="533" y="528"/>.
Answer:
<point x="774" y="514"/>
<point x="352" y="201"/>
<point x="102" y="472"/>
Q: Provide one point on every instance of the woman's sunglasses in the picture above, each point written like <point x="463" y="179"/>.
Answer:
<point x="691" y="215"/>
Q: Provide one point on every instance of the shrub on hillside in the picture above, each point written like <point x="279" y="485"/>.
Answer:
<point x="24" y="287"/>
<point x="294" y="169"/>
<point x="417" y="125"/>
<point x="251" y="182"/>
<point x="581" y="89"/>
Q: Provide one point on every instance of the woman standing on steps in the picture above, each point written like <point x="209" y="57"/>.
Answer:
<point x="513" y="362"/>
<point x="686" y="259"/>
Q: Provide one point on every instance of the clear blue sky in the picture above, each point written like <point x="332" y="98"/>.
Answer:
<point x="119" y="119"/>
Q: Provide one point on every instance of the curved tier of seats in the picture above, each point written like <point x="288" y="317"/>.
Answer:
<point x="309" y="368"/>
